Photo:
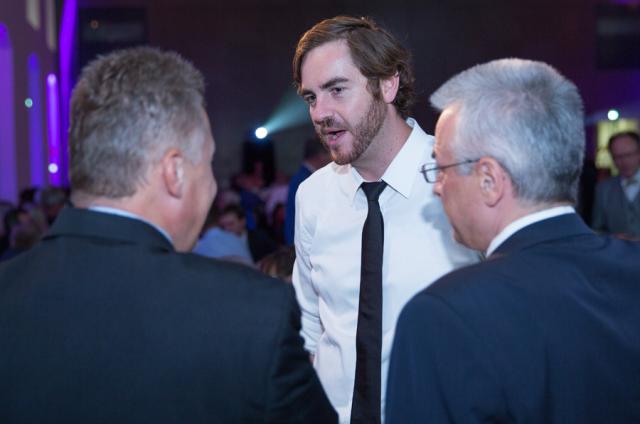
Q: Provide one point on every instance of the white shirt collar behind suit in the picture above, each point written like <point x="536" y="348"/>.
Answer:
<point x="525" y="221"/>
<point x="127" y="214"/>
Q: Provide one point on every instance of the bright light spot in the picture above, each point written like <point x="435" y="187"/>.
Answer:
<point x="261" y="133"/>
<point x="51" y="79"/>
<point x="28" y="102"/>
<point x="613" y="115"/>
<point x="53" y="168"/>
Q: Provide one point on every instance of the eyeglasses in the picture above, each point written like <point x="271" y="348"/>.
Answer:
<point x="432" y="173"/>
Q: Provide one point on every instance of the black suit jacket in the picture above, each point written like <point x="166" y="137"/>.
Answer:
<point x="547" y="330"/>
<point x="103" y="322"/>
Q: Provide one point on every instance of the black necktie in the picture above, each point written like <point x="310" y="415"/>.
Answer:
<point x="366" y="392"/>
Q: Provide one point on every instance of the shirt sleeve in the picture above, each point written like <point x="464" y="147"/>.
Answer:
<point x="306" y="292"/>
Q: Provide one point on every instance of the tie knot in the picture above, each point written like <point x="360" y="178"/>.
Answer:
<point x="373" y="190"/>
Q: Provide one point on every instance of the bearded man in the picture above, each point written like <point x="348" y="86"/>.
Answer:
<point x="368" y="233"/>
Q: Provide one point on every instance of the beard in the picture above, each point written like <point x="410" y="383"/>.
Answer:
<point x="363" y="133"/>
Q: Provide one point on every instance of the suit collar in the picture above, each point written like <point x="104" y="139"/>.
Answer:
<point x="542" y="231"/>
<point x="76" y="222"/>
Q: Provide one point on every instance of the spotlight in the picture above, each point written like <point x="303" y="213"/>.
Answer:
<point x="261" y="133"/>
<point x="53" y="168"/>
<point x="28" y="102"/>
<point x="613" y="115"/>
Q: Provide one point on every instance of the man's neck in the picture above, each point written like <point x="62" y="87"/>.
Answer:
<point x="383" y="149"/>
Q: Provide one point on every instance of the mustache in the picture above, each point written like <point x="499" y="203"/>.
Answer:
<point x="325" y="123"/>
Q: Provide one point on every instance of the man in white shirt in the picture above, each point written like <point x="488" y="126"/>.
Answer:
<point x="358" y="83"/>
<point x="544" y="330"/>
<point x="617" y="203"/>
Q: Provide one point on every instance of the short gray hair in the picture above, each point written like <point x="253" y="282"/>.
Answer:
<point x="126" y="110"/>
<point x="525" y="115"/>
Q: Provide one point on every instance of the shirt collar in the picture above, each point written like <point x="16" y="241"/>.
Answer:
<point x="635" y="177"/>
<point x="526" y="220"/>
<point x="127" y="214"/>
<point x="401" y="172"/>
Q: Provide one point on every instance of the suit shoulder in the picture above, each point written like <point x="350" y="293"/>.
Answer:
<point x="231" y="277"/>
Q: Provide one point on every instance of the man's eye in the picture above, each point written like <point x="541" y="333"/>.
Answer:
<point x="309" y="99"/>
<point x="337" y="90"/>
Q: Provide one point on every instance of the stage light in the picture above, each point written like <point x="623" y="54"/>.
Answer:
<point x="53" y="168"/>
<point x="28" y="102"/>
<point x="613" y="115"/>
<point x="291" y="112"/>
<point x="261" y="133"/>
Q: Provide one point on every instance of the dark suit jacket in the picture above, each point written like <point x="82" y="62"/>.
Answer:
<point x="613" y="212"/>
<point x="547" y="330"/>
<point x="290" y="213"/>
<point x="103" y="322"/>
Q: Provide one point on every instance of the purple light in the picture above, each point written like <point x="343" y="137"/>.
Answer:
<point x="53" y="119"/>
<point x="36" y="147"/>
<point x="8" y="171"/>
<point x="67" y="37"/>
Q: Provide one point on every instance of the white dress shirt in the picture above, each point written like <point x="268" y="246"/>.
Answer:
<point x="418" y="249"/>
<point x="525" y="221"/>
<point x="127" y="214"/>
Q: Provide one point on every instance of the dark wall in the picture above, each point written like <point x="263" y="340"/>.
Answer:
<point x="245" y="47"/>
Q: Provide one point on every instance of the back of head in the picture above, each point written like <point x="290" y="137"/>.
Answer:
<point x="525" y="115"/>
<point x="374" y="51"/>
<point x="127" y="108"/>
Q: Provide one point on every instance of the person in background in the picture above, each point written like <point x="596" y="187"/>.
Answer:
<point x="545" y="329"/>
<point x="51" y="200"/>
<point x="216" y="242"/>
<point x="109" y="318"/>
<point x="616" y="207"/>
<point x="233" y="220"/>
<point x="279" y="264"/>
<point x="315" y="156"/>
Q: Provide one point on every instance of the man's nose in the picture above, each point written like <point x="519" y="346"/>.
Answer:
<point x="321" y="112"/>
<point x="437" y="188"/>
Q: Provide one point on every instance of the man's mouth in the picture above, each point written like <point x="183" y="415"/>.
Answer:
<point x="333" y="136"/>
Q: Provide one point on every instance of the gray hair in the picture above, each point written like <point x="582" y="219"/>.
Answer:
<point x="525" y="115"/>
<point x="126" y="110"/>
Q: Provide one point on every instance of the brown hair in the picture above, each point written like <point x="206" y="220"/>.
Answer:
<point x="375" y="52"/>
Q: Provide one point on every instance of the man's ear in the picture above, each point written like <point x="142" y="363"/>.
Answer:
<point x="389" y="88"/>
<point x="493" y="180"/>
<point x="173" y="163"/>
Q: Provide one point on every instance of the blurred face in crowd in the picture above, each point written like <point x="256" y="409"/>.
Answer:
<point x="345" y="114"/>
<point x="232" y="223"/>
<point x="625" y="152"/>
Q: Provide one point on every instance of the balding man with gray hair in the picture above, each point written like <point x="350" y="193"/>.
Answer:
<point x="546" y="329"/>
<point x="110" y="319"/>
